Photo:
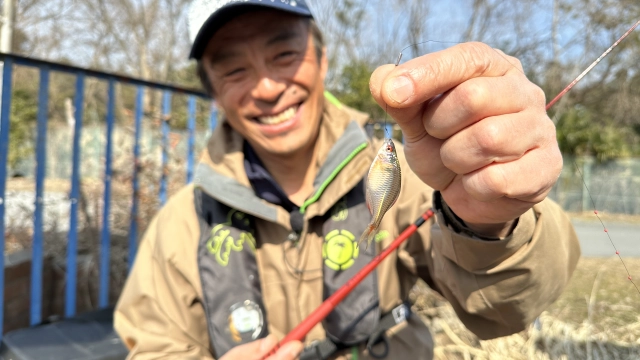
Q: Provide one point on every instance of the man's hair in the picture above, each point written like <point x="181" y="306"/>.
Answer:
<point x="318" y="43"/>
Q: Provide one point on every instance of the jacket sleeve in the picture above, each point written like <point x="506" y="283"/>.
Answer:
<point x="158" y="315"/>
<point x="498" y="287"/>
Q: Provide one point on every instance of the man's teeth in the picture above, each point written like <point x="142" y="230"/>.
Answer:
<point x="277" y="119"/>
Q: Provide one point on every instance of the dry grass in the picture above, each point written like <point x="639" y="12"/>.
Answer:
<point x="597" y="317"/>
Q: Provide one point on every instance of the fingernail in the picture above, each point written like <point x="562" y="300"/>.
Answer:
<point x="401" y="89"/>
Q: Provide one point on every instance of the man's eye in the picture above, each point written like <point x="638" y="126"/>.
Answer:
<point x="234" y="72"/>
<point x="285" y="54"/>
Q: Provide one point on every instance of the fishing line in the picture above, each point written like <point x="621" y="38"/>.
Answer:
<point x="595" y="211"/>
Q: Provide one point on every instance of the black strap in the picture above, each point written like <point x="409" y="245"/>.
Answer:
<point x="323" y="349"/>
<point x="319" y="350"/>
<point x="398" y="315"/>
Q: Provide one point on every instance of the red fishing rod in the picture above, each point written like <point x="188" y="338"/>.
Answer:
<point x="593" y="64"/>
<point x="301" y="331"/>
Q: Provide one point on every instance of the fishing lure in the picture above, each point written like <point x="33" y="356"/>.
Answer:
<point x="383" y="187"/>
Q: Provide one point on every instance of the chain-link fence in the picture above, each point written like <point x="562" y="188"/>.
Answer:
<point x="612" y="186"/>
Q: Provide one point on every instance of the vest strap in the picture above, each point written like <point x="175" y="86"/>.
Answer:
<point x="323" y="349"/>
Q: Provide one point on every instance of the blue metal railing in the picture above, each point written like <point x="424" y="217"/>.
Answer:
<point x="38" y="221"/>
<point x="45" y="68"/>
<point x="4" y="150"/>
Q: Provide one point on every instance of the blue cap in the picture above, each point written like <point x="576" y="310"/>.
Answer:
<point x="208" y="16"/>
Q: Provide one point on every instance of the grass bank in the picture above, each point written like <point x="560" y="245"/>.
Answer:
<point x="597" y="317"/>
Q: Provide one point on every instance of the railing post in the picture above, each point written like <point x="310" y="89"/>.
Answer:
<point x="166" y="115"/>
<point x="191" y="127"/>
<point x="105" y="238"/>
<point x="72" y="242"/>
<point x="41" y="171"/>
<point x="133" y="225"/>
<point x="5" y="113"/>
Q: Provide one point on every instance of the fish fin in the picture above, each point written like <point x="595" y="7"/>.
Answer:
<point x="368" y="234"/>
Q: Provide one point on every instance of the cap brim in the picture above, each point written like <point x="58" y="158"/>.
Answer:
<point x="227" y="13"/>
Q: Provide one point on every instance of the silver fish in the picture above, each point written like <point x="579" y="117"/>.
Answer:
<point x="383" y="187"/>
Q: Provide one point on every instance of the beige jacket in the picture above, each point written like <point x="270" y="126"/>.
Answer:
<point x="496" y="287"/>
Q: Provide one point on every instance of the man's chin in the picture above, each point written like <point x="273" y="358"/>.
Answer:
<point x="287" y="145"/>
<point x="282" y="148"/>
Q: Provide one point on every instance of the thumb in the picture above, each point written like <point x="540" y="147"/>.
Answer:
<point x="266" y="345"/>
<point x="409" y="119"/>
<point x="254" y="350"/>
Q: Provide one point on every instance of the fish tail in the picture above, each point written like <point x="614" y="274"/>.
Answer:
<point x="368" y="234"/>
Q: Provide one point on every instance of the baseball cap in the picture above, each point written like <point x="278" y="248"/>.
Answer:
<point x="208" y="16"/>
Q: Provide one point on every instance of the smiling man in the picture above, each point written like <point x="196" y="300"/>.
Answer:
<point x="268" y="230"/>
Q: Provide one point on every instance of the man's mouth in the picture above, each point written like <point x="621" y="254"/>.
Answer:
<point x="278" y="118"/>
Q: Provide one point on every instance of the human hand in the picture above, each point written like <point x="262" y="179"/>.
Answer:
<point x="258" y="349"/>
<point x="476" y="129"/>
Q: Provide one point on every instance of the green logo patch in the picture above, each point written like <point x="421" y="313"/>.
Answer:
<point x="221" y="243"/>
<point x="339" y="250"/>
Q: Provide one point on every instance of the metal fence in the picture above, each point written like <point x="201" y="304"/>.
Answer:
<point x="11" y="62"/>
<point x="612" y="186"/>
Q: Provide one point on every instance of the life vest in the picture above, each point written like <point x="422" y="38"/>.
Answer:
<point x="232" y="295"/>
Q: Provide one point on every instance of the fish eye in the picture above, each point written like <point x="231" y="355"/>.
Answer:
<point x="389" y="148"/>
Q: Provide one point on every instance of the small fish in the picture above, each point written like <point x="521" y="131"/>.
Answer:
<point x="383" y="187"/>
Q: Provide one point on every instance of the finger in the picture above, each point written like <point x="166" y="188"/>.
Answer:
<point x="477" y="99"/>
<point x="497" y="139"/>
<point x="421" y="149"/>
<point x="422" y="78"/>
<point x="424" y="159"/>
<point x="257" y="349"/>
<point x="529" y="178"/>
<point x="262" y="347"/>
<point x="413" y="131"/>
<point x="288" y="351"/>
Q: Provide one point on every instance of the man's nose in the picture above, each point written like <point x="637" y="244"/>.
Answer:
<point x="268" y="90"/>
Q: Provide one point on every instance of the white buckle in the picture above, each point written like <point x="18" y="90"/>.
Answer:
<point x="399" y="313"/>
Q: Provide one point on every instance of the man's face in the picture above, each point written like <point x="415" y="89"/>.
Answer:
<point x="266" y="77"/>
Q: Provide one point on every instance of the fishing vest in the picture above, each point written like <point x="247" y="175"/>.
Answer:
<point x="232" y="295"/>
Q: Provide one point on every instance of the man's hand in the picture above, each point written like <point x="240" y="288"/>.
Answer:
<point x="476" y="129"/>
<point x="256" y="350"/>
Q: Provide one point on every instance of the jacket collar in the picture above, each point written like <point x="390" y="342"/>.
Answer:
<point x="342" y="162"/>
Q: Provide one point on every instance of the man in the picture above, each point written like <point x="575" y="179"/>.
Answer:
<point x="267" y="230"/>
